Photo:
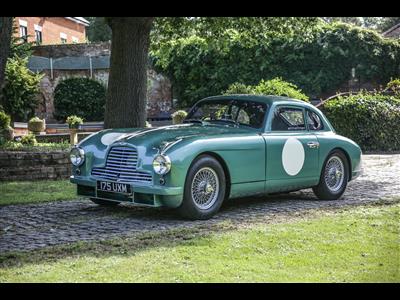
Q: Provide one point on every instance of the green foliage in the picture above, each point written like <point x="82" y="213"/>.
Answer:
<point x="318" y="62"/>
<point x="372" y="120"/>
<point x="178" y="116"/>
<point x="98" y="30"/>
<point x="215" y="28"/>
<point x="74" y="121"/>
<point x="80" y="96"/>
<point x="394" y="86"/>
<point x="18" y="46"/>
<point x="29" y="140"/>
<point x="38" y="147"/>
<point x="20" y="90"/>
<point x="5" y="120"/>
<point x="275" y="86"/>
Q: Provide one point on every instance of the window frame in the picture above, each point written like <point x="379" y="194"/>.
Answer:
<point x="320" y="119"/>
<point x="280" y="106"/>
<point x="24" y="37"/>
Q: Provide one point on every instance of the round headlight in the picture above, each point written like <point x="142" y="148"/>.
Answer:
<point x="161" y="164"/>
<point x="77" y="156"/>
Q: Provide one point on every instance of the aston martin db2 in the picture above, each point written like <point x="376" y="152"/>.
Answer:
<point x="227" y="147"/>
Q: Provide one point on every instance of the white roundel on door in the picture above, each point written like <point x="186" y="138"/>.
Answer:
<point x="293" y="156"/>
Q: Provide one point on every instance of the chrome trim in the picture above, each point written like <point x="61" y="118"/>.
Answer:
<point x="121" y="166"/>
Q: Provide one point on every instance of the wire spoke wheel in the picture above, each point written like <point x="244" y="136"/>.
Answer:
<point x="334" y="174"/>
<point x="205" y="188"/>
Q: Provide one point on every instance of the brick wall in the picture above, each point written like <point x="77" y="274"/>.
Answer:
<point x="19" y="165"/>
<point x="51" y="29"/>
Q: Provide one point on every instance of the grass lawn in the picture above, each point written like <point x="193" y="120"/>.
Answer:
<point x="352" y="245"/>
<point x="23" y="192"/>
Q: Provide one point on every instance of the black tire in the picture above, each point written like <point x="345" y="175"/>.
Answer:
<point x="323" y="191"/>
<point x="104" y="202"/>
<point x="190" y="208"/>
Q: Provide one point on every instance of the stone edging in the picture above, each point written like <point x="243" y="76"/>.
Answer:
<point x="24" y="165"/>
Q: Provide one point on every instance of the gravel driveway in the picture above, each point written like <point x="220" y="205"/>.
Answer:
<point x="26" y="227"/>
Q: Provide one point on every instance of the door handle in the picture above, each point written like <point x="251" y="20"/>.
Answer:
<point x="313" y="145"/>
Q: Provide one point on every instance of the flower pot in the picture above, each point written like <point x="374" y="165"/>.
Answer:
<point x="37" y="126"/>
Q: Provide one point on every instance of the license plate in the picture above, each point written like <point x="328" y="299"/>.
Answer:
<point x="114" y="187"/>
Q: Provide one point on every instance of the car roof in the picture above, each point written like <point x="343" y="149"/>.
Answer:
<point x="268" y="99"/>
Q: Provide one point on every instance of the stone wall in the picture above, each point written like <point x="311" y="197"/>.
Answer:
<point x="20" y="165"/>
<point x="159" y="92"/>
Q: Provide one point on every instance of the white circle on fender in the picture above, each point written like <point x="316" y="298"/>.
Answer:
<point x="108" y="138"/>
<point x="293" y="156"/>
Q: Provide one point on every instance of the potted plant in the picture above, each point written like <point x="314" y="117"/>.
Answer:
<point x="36" y="125"/>
<point x="178" y="116"/>
<point x="74" y="123"/>
<point x="6" y="131"/>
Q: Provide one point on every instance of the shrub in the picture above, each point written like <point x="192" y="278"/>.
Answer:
<point x="178" y="116"/>
<point x="21" y="89"/>
<point x="74" y="121"/>
<point x="274" y="86"/>
<point x="394" y="86"/>
<point x="317" y="63"/>
<point x="372" y="120"/>
<point x="29" y="139"/>
<point x="36" y="124"/>
<point x="5" y="120"/>
<point x="79" y="96"/>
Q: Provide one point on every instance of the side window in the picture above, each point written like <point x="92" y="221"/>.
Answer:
<point x="288" y="119"/>
<point x="314" y="121"/>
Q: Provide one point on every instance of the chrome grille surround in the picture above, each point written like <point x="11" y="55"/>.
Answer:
<point x="121" y="166"/>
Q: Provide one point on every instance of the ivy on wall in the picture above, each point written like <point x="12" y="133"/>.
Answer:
<point x="317" y="63"/>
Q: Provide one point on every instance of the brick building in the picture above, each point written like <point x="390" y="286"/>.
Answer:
<point x="51" y="30"/>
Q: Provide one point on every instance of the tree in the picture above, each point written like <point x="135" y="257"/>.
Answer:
<point x="127" y="84"/>
<point x="6" y="24"/>
<point x="98" y="30"/>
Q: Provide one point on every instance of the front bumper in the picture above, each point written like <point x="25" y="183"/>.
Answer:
<point x="143" y="195"/>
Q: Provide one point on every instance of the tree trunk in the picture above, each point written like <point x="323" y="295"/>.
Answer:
<point x="127" y="83"/>
<point x="6" y="24"/>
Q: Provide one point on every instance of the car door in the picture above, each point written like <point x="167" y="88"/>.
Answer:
<point x="292" y="151"/>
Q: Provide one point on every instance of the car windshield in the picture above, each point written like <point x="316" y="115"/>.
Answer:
<point x="235" y="112"/>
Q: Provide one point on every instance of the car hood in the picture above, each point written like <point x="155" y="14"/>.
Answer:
<point x="163" y="136"/>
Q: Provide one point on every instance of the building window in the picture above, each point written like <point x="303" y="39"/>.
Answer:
<point x="38" y="34"/>
<point x="23" y="30"/>
<point x="63" y="38"/>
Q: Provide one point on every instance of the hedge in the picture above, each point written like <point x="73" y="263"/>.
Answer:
<point x="371" y="120"/>
<point x="275" y="86"/>
<point x="317" y="63"/>
<point x="81" y="96"/>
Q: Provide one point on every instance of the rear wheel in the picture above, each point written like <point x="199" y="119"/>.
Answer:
<point x="104" y="202"/>
<point x="205" y="188"/>
<point x="334" y="177"/>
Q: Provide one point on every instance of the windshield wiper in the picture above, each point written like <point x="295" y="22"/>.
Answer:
<point x="228" y="121"/>
<point x="193" y="121"/>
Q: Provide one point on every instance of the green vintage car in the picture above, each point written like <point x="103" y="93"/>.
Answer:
<point x="227" y="147"/>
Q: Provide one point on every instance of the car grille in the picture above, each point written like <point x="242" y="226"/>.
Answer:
<point x="121" y="165"/>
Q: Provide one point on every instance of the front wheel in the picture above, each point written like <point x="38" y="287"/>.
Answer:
<point x="204" y="191"/>
<point x="334" y="177"/>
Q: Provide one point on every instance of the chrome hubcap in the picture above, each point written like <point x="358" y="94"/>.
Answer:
<point x="334" y="174"/>
<point x="205" y="188"/>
